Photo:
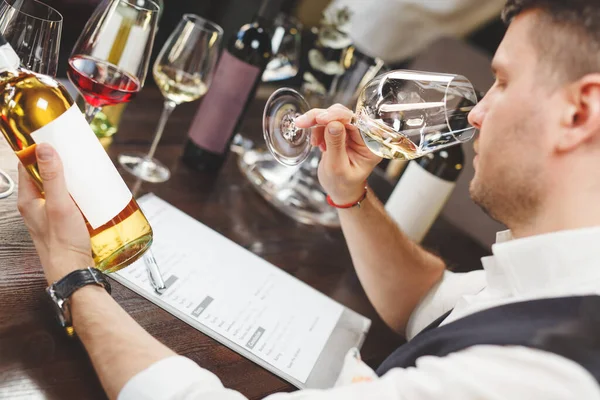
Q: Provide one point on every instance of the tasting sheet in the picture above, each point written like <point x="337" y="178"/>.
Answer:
<point x="242" y="301"/>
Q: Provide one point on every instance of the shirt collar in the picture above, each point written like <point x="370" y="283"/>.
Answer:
<point x="555" y="264"/>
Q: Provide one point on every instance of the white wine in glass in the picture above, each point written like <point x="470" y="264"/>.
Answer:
<point x="183" y="72"/>
<point x="179" y="86"/>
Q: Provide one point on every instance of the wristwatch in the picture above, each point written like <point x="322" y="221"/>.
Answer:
<point x="60" y="293"/>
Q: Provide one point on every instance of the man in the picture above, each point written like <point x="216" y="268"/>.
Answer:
<point x="525" y="328"/>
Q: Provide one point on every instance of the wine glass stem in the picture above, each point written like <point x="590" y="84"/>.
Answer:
<point x="90" y="112"/>
<point x="166" y="113"/>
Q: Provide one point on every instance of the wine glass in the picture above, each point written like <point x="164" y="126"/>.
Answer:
<point x="7" y="185"/>
<point x="33" y="29"/>
<point x="103" y="83"/>
<point x="183" y="72"/>
<point x="400" y="115"/>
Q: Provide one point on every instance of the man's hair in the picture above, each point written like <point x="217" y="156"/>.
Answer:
<point x="569" y="35"/>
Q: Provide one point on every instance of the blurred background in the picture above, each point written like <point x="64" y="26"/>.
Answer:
<point x="483" y="31"/>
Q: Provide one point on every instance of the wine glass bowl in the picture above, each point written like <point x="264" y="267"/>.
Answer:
<point x="407" y="114"/>
<point x="33" y="29"/>
<point x="101" y="83"/>
<point x="400" y="115"/>
<point x="102" y="76"/>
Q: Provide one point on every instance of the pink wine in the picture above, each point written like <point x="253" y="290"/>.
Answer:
<point x="100" y="82"/>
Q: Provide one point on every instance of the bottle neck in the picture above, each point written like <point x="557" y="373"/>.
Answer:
<point x="9" y="60"/>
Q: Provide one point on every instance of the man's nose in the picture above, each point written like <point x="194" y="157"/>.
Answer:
<point x="476" y="115"/>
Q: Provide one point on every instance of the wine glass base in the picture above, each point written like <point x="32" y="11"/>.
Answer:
<point x="7" y="185"/>
<point x="294" y="191"/>
<point x="147" y="169"/>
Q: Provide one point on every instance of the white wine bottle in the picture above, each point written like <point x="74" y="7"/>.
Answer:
<point x="38" y="109"/>
<point x="423" y="191"/>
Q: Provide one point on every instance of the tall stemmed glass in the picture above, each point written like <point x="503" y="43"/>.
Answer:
<point x="100" y="82"/>
<point x="400" y="115"/>
<point x="33" y="30"/>
<point x="183" y="73"/>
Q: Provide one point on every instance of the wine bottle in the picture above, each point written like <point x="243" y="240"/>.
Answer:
<point x="423" y="190"/>
<point x="38" y="109"/>
<point x="236" y="78"/>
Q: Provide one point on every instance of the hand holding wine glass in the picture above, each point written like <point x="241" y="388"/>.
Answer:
<point x="183" y="72"/>
<point x="346" y="162"/>
<point x="100" y="82"/>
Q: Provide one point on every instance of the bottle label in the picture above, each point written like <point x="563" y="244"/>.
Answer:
<point x="92" y="179"/>
<point x="224" y="103"/>
<point x="417" y="200"/>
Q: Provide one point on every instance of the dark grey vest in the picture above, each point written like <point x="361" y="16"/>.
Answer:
<point x="569" y="327"/>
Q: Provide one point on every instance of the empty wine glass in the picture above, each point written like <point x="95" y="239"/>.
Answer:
<point x="33" y="29"/>
<point x="400" y="115"/>
<point x="103" y="83"/>
<point x="183" y="72"/>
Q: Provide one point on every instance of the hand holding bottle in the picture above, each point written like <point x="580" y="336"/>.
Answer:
<point x="346" y="162"/>
<point x="54" y="222"/>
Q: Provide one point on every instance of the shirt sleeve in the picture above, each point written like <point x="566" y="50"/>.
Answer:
<point x="480" y="372"/>
<point x="443" y="297"/>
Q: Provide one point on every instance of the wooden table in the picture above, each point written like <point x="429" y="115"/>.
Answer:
<point x="38" y="361"/>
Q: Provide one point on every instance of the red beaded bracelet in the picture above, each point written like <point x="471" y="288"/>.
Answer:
<point x="351" y="205"/>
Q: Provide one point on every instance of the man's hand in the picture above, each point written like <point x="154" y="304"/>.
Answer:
<point x="55" y="223"/>
<point x="347" y="162"/>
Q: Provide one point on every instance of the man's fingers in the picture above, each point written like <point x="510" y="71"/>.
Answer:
<point x="309" y="119"/>
<point x="335" y="113"/>
<point x="335" y="140"/>
<point x="28" y="191"/>
<point x="317" y="136"/>
<point x="319" y="116"/>
<point x="53" y="179"/>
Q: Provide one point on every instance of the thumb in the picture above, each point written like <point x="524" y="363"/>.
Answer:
<point x="335" y="138"/>
<point x="51" y="171"/>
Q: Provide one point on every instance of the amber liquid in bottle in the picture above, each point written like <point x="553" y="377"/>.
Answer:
<point x="28" y="102"/>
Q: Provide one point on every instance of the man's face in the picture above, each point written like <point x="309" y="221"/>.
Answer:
<point x="514" y="120"/>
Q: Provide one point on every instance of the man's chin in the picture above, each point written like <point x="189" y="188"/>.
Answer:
<point x="475" y="189"/>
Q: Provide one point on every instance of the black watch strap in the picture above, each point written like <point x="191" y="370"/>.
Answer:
<point x="78" y="279"/>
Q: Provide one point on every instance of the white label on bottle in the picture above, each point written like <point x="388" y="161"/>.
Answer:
<point x="417" y="200"/>
<point x="92" y="179"/>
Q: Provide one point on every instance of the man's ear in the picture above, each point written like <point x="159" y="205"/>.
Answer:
<point x="581" y="116"/>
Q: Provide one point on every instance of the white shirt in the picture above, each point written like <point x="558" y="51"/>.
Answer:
<point x="395" y="30"/>
<point x="552" y="265"/>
